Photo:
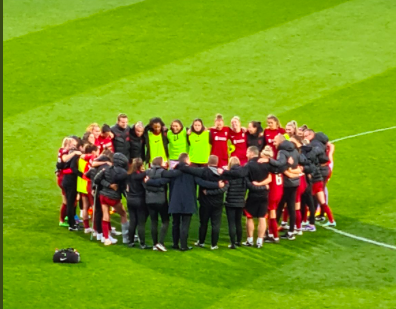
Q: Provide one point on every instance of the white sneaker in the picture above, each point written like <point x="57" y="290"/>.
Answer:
<point x="102" y="239"/>
<point x="155" y="248"/>
<point x="214" y="247"/>
<point x="113" y="240"/>
<point x="161" y="247"/>
<point x="115" y="232"/>
<point x="88" y="230"/>
<point x="305" y="223"/>
<point x="99" y="236"/>
<point x="95" y="233"/>
<point x="107" y="242"/>
<point x="299" y="232"/>
<point x="328" y="223"/>
<point x="198" y="244"/>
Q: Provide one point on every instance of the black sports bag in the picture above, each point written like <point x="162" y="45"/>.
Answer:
<point x="68" y="255"/>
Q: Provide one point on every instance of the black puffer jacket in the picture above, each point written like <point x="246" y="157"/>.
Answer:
<point x="156" y="194"/>
<point x="235" y="196"/>
<point x="256" y="139"/>
<point x="214" y="198"/>
<point x="286" y="150"/>
<point x="115" y="174"/>
<point x="135" y="191"/>
<point x="137" y="145"/>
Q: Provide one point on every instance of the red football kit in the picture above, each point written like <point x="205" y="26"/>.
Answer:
<point x="269" y="136"/>
<point x="275" y="191"/>
<point x="105" y="143"/>
<point x="219" y="144"/>
<point x="239" y="140"/>
<point x="301" y="188"/>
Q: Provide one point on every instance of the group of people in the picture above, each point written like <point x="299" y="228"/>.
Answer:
<point x="270" y="174"/>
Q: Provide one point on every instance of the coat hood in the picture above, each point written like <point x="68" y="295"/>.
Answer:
<point x="321" y="137"/>
<point x="120" y="160"/>
<point x="286" y="145"/>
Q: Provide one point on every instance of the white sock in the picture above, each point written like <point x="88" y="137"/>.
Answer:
<point x="250" y="239"/>
<point x="259" y="241"/>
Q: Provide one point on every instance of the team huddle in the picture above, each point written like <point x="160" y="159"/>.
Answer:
<point x="270" y="174"/>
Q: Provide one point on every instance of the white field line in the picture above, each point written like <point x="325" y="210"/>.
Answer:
<point x="360" y="238"/>
<point x="348" y="234"/>
<point x="363" y="133"/>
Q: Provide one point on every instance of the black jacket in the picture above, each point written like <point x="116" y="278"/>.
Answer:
<point x="236" y="192"/>
<point x="135" y="189"/>
<point x="182" y="195"/>
<point x="286" y="150"/>
<point x="252" y="171"/>
<point x="146" y="139"/>
<point x="156" y="194"/>
<point x="121" y="140"/>
<point x="256" y="139"/>
<point x="137" y="145"/>
<point x="115" y="174"/>
<point x="70" y="180"/>
<point x="215" y="197"/>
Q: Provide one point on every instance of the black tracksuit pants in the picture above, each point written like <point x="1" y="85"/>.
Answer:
<point x="70" y="187"/>
<point x="212" y="213"/>
<point x="307" y="200"/>
<point x="162" y="211"/>
<point x="289" y="197"/>
<point x="98" y="213"/>
<point x="234" y="217"/>
<point x="138" y="214"/>
<point x="180" y="228"/>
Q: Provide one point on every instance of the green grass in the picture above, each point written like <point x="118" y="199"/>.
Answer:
<point x="330" y="64"/>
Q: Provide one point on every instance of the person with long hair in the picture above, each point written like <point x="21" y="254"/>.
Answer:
<point x="177" y="142"/>
<point x="94" y="128"/>
<point x="105" y="139"/>
<point x="219" y="140"/>
<point x="155" y="136"/>
<point x="199" y="144"/>
<point x="136" y="203"/>
<point x="255" y="136"/>
<point x="238" y="140"/>
<point x="291" y="128"/>
<point x="273" y="129"/>
<point x="113" y="184"/>
<point x="64" y="155"/>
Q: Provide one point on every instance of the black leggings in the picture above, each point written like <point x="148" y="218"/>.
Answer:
<point x="289" y="197"/>
<point x="307" y="200"/>
<point x="180" y="233"/>
<point x="71" y="195"/>
<point x="213" y="214"/>
<point x="234" y="217"/>
<point x="98" y="213"/>
<point x="138" y="214"/>
<point x="154" y="211"/>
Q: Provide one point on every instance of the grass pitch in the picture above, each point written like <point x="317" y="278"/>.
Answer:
<point x="330" y="64"/>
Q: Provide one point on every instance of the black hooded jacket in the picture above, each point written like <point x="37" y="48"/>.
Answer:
<point x="115" y="174"/>
<point x="256" y="139"/>
<point x="286" y="150"/>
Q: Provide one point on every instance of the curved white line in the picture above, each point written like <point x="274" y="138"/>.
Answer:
<point x="363" y="133"/>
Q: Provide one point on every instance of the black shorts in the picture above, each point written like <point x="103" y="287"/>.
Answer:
<point x="256" y="206"/>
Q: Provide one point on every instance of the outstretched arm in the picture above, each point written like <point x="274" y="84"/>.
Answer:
<point x="258" y="184"/>
<point x="206" y="184"/>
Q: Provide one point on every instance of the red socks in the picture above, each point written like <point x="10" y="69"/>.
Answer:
<point x="105" y="228"/>
<point x="285" y="215"/>
<point x="328" y="212"/>
<point x="63" y="212"/>
<point x="273" y="225"/>
<point x="86" y="224"/>
<point x="298" y="219"/>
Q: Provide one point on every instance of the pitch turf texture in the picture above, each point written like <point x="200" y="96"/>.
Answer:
<point x="329" y="63"/>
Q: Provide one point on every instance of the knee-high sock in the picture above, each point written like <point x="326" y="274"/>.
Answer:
<point x="298" y="219"/>
<point x="328" y="212"/>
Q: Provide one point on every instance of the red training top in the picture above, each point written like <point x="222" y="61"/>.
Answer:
<point x="219" y="144"/>
<point x="239" y="140"/>
<point x="269" y="136"/>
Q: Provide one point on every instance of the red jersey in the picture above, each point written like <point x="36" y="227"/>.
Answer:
<point x="239" y="140"/>
<point x="219" y="144"/>
<point x="276" y="187"/>
<point x="60" y="163"/>
<point x="105" y="143"/>
<point x="269" y="136"/>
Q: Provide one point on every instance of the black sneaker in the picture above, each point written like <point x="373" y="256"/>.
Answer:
<point x="247" y="244"/>
<point x="131" y="245"/>
<point x="238" y="244"/>
<point x="320" y="219"/>
<point x="232" y="246"/>
<point x="176" y="247"/>
<point x="288" y="236"/>
<point x="143" y="247"/>
<point x="74" y="228"/>
<point x="186" y="249"/>
<point x="271" y="240"/>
